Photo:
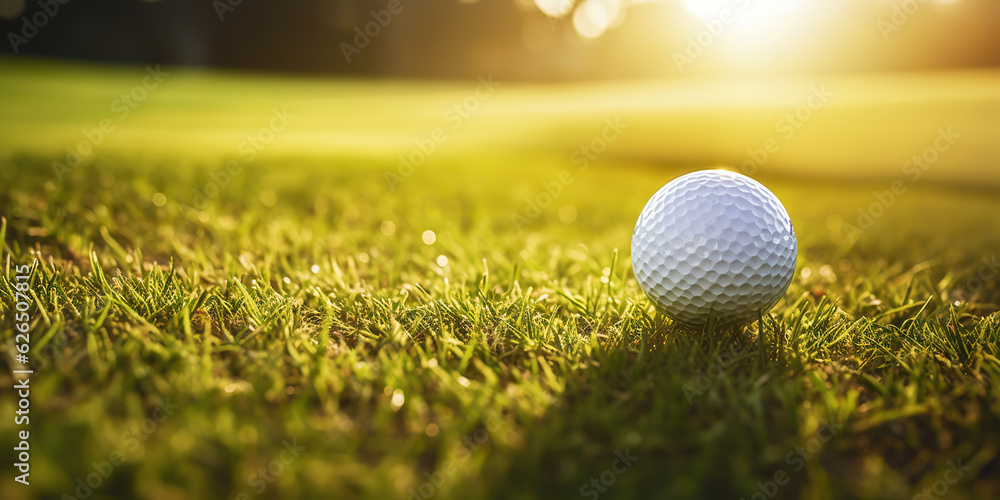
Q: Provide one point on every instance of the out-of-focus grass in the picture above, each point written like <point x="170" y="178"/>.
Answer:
<point x="286" y="310"/>
<point x="864" y="126"/>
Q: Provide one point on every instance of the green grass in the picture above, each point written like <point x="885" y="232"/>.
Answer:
<point x="866" y="128"/>
<point x="362" y="360"/>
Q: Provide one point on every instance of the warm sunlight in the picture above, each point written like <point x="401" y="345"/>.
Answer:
<point x="746" y="20"/>
<point x="744" y="11"/>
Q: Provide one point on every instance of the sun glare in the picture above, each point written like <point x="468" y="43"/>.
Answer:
<point x="744" y="12"/>
<point x="752" y="31"/>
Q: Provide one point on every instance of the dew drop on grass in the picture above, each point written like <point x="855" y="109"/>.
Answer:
<point x="387" y="227"/>
<point x="826" y="271"/>
<point x="429" y="237"/>
<point x="442" y="261"/>
<point x="397" y="399"/>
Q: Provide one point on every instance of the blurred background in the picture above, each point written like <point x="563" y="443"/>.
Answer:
<point x="521" y="39"/>
<point x="702" y="82"/>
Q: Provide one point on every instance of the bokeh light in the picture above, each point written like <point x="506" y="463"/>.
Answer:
<point x="555" y="8"/>
<point x="593" y="17"/>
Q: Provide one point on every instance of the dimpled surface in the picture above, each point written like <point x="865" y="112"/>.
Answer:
<point x="714" y="243"/>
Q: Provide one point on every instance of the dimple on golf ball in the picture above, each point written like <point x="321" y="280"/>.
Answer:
<point x="714" y="244"/>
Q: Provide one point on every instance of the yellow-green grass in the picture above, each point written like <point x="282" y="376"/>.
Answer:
<point x="866" y="126"/>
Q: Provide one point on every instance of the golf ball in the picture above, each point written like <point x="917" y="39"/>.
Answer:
<point x="714" y="244"/>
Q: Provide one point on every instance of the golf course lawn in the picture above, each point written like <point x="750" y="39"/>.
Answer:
<point x="303" y="323"/>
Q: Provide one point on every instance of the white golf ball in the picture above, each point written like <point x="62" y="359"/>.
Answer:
<point x="714" y="244"/>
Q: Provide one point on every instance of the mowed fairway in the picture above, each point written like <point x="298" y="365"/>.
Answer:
<point x="308" y="331"/>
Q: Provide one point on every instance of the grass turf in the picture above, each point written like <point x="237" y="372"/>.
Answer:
<point x="518" y="366"/>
